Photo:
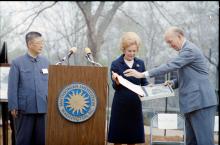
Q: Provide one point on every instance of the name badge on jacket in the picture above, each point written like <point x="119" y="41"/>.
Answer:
<point x="44" y="70"/>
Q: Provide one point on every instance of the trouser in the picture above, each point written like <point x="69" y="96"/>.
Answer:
<point x="12" y="129"/>
<point x="200" y="126"/>
<point x="30" y="129"/>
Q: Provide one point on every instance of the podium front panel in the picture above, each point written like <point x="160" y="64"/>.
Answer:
<point x="59" y="130"/>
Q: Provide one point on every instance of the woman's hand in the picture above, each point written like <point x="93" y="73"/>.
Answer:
<point x="114" y="77"/>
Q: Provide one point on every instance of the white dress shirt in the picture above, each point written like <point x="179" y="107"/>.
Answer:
<point x="129" y="63"/>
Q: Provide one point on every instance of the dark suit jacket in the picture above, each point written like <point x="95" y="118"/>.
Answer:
<point x="119" y="66"/>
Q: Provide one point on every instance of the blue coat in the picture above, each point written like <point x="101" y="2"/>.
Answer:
<point x="195" y="90"/>
<point x="28" y="85"/>
<point x="126" y="122"/>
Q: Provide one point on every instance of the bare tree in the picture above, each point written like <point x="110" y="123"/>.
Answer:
<point x="96" y="23"/>
<point x="65" y="30"/>
<point x="31" y="17"/>
<point x="5" y="25"/>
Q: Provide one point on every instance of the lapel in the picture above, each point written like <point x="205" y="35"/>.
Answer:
<point x="121" y="60"/>
<point x="184" y="46"/>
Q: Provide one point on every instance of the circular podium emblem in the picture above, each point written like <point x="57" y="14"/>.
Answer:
<point x="77" y="102"/>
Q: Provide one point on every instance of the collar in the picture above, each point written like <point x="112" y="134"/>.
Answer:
<point x="121" y="59"/>
<point x="32" y="58"/>
<point x="135" y="64"/>
<point x="184" y="41"/>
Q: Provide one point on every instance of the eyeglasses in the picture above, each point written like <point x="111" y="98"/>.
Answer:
<point x="38" y="43"/>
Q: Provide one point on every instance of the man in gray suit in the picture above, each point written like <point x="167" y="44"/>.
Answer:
<point x="27" y="92"/>
<point x="197" y="98"/>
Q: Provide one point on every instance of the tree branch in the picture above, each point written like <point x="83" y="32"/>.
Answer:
<point x="132" y="19"/>
<point x="37" y="14"/>
<point x="155" y="4"/>
<point x="28" y="9"/>
<point x="85" y="10"/>
<point x="104" y="24"/>
<point x="210" y="61"/>
<point x="27" y="18"/>
<point x="98" y="11"/>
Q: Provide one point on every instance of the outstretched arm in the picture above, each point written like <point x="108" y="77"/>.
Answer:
<point x="134" y="73"/>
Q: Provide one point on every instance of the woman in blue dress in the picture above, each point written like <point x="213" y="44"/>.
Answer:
<point x="126" y="122"/>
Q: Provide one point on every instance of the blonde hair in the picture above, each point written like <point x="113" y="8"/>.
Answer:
<point x="128" y="39"/>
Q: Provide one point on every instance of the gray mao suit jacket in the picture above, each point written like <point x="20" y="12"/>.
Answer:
<point x="28" y="84"/>
<point x="195" y="90"/>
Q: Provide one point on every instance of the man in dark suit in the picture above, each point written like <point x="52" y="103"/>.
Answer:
<point x="27" y="92"/>
<point x="197" y="97"/>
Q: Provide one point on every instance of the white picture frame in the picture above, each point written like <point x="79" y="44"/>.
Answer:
<point x="157" y="91"/>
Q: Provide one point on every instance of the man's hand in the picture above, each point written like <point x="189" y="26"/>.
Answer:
<point x="169" y="82"/>
<point x="114" y="77"/>
<point x="134" y="73"/>
<point x="150" y="85"/>
<point x="14" y="113"/>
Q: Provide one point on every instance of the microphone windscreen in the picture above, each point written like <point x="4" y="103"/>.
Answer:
<point x="73" y="50"/>
<point x="87" y="50"/>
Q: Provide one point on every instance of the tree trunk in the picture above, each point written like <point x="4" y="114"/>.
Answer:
<point x="96" y="31"/>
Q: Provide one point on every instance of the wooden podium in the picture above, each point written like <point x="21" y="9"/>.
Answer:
<point x="59" y="130"/>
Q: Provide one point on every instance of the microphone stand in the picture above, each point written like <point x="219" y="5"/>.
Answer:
<point x="93" y="62"/>
<point x="59" y="63"/>
<point x="107" y="100"/>
<point x="62" y="60"/>
<point x="68" y="61"/>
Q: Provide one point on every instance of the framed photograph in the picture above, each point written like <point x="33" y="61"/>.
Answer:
<point x="4" y="72"/>
<point x="157" y="91"/>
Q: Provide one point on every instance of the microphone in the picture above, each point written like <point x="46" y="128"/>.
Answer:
<point x="90" y="57"/>
<point x="71" y="51"/>
<point x="89" y="54"/>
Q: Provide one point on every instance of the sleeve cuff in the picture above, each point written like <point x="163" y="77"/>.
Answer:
<point x="146" y="74"/>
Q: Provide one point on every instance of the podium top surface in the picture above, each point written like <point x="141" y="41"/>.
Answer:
<point x="77" y="66"/>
